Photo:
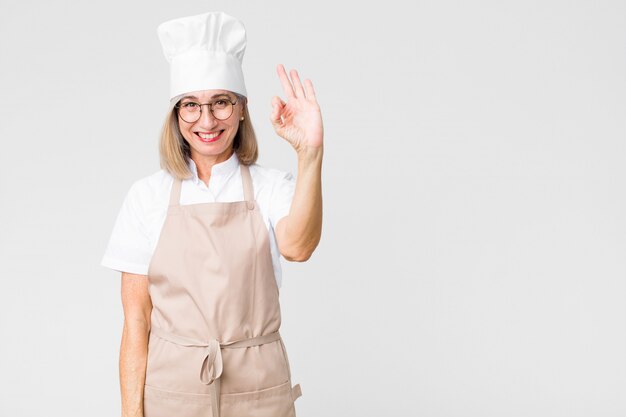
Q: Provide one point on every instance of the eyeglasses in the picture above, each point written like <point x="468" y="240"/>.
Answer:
<point x="190" y="111"/>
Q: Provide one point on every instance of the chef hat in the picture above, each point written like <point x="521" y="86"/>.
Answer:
<point x="205" y="52"/>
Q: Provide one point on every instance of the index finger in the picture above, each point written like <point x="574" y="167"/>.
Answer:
<point x="284" y="80"/>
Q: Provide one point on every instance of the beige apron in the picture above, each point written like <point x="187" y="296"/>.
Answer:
<point x="214" y="348"/>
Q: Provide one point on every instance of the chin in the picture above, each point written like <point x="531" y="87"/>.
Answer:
<point x="210" y="149"/>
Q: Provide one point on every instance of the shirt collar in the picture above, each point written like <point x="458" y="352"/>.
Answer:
<point x="223" y="168"/>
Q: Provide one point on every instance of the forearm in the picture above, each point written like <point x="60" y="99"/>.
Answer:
<point x="133" y="360"/>
<point x="303" y="227"/>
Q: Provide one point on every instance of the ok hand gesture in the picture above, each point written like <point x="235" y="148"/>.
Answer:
<point x="299" y="120"/>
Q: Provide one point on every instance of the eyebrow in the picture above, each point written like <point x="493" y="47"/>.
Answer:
<point x="213" y="96"/>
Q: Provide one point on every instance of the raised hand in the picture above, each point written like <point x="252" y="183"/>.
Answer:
<point x="299" y="120"/>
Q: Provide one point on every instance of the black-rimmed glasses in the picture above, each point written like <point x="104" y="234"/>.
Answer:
<point x="221" y="109"/>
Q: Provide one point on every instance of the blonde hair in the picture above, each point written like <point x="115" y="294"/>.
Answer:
<point x="174" y="149"/>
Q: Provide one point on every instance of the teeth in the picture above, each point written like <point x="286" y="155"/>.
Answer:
<point x="205" y="136"/>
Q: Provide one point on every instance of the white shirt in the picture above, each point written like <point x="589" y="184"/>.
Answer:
<point x="142" y="215"/>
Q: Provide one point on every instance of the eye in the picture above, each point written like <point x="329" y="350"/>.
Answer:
<point x="190" y="105"/>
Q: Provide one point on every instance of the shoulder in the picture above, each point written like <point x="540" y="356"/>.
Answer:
<point x="278" y="189"/>
<point x="149" y="190"/>
<point x="269" y="176"/>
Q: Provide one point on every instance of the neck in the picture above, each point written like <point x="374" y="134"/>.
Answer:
<point x="204" y="163"/>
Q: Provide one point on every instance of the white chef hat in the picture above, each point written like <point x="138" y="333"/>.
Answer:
<point x="205" y="52"/>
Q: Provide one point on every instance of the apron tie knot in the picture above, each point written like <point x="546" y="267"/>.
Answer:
<point x="212" y="365"/>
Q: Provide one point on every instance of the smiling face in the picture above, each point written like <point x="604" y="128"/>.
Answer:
<point x="201" y="134"/>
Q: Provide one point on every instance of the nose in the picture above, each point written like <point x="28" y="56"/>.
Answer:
<point x="206" y="117"/>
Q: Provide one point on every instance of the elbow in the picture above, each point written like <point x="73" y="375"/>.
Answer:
<point x="299" y="254"/>
<point x="303" y="257"/>
<point x="299" y="250"/>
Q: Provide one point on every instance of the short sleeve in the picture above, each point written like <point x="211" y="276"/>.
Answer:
<point x="282" y="195"/>
<point x="128" y="249"/>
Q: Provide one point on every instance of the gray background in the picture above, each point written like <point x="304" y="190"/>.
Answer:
<point x="472" y="258"/>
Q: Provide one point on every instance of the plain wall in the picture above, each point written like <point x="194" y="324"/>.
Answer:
<point x="472" y="258"/>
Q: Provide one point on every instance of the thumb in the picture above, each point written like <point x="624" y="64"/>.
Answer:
<point x="277" y="110"/>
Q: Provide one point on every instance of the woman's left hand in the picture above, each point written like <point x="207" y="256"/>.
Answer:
<point x="299" y="120"/>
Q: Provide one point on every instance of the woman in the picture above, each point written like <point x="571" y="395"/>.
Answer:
<point x="198" y="242"/>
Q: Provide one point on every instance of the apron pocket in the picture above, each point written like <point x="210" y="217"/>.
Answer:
<point x="271" y="402"/>
<point x="158" y="402"/>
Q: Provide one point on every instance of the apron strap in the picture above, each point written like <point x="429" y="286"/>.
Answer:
<point x="296" y="392"/>
<point x="175" y="193"/>
<point x="247" y="186"/>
